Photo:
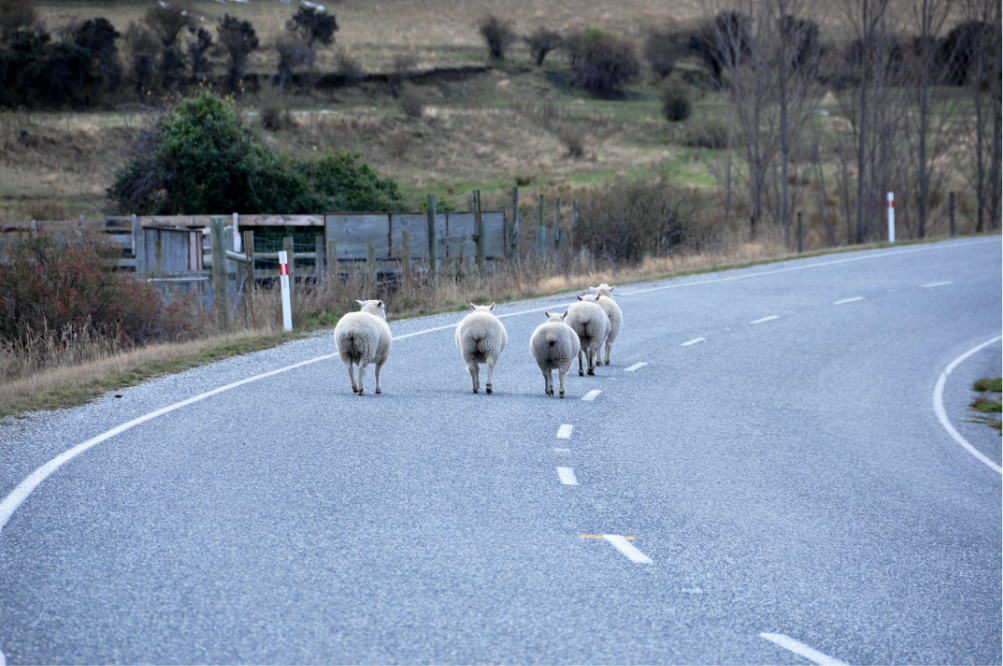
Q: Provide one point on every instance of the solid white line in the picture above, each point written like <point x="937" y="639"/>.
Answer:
<point x="937" y="284"/>
<point x="627" y="549"/>
<point x="564" y="432"/>
<point x="765" y="319"/>
<point x="938" y="406"/>
<point x="848" y="300"/>
<point x="25" y="488"/>
<point x="693" y="342"/>
<point x="567" y="476"/>
<point x="636" y="366"/>
<point x="799" y="648"/>
<point x="591" y="395"/>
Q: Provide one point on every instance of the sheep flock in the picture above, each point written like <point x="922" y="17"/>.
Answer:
<point x="584" y="330"/>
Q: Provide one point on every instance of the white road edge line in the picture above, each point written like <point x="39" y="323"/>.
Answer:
<point x="938" y="405"/>
<point x="636" y="366"/>
<point x="765" y="319"/>
<point x="931" y="285"/>
<point x="627" y="549"/>
<point x="848" y="300"/>
<point x="10" y="503"/>
<point x="690" y="343"/>
<point x="591" y="395"/>
<point x="567" y="476"/>
<point x="564" y="432"/>
<point x="799" y="648"/>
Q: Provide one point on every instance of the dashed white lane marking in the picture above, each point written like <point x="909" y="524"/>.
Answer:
<point x="848" y="300"/>
<point x="562" y="450"/>
<point x="938" y="406"/>
<point x="636" y="366"/>
<point x="799" y="648"/>
<point x="591" y="395"/>
<point x="765" y="319"/>
<point x="690" y="343"/>
<point x="937" y="284"/>
<point x="627" y="549"/>
<point x="564" y="432"/>
<point x="567" y="476"/>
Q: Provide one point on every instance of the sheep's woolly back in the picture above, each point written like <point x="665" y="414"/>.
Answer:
<point x="589" y="321"/>
<point x="364" y="336"/>
<point x="603" y="296"/>
<point x="554" y="343"/>
<point x="481" y="335"/>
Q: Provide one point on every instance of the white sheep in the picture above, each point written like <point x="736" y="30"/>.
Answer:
<point x="363" y="338"/>
<point x="554" y="345"/>
<point x="591" y="324"/>
<point x="481" y="337"/>
<point x="604" y="297"/>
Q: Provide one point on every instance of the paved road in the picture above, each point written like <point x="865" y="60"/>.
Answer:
<point x="761" y="476"/>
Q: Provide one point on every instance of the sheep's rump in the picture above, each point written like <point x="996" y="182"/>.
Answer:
<point x="480" y="336"/>
<point x="358" y="337"/>
<point x="554" y="345"/>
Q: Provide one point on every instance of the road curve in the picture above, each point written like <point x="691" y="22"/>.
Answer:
<point x="762" y="475"/>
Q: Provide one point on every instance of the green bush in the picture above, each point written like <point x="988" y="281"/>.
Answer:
<point x="201" y="159"/>
<point x="675" y="103"/>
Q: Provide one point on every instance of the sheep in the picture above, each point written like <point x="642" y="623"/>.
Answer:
<point x="604" y="298"/>
<point x="363" y="338"/>
<point x="591" y="324"/>
<point x="481" y="337"/>
<point x="554" y="345"/>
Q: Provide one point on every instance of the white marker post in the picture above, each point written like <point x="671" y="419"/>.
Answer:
<point x="891" y="217"/>
<point x="287" y="314"/>
<point x="236" y="234"/>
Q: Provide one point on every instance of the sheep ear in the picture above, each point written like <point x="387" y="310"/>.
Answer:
<point x="473" y="307"/>
<point x="379" y="304"/>
<point x="546" y="314"/>
<point x="361" y="303"/>
<point x="492" y="307"/>
<point x="565" y="315"/>
<point x="579" y="298"/>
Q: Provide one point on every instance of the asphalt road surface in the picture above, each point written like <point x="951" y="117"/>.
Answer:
<point x="777" y="467"/>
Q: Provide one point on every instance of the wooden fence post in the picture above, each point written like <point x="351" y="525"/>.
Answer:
<point x="139" y="251"/>
<point x="433" y="264"/>
<point x="332" y="258"/>
<point x="541" y="231"/>
<point x="406" y="256"/>
<point x="557" y="222"/>
<point x="515" y="222"/>
<point x="800" y="234"/>
<point x="952" y="208"/>
<point x="220" y="288"/>
<point x="318" y="262"/>
<point x="289" y="245"/>
<point x="371" y="258"/>
<point x="480" y="239"/>
<point x="251" y="281"/>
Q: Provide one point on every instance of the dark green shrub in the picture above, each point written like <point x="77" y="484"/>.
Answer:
<point x="675" y="103"/>
<point x="239" y="39"/>
<point x="498" y="34"/>
<point x="201" y="159"/>
<point x="541" y="42"/>
<point x="602" y="62"/>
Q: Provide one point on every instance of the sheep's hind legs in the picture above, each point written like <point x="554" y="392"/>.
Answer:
<point x="487" y="386"/>
<point x="351" y="376"/>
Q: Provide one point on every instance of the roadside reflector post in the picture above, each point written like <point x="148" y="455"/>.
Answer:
<point x="891" y="217"/>
<point x="287" y="315"/>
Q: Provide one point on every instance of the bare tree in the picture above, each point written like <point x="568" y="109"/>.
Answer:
<point x="980" y="61"/>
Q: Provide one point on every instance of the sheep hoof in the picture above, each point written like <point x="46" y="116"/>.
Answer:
<point x="360" y="391"/>
<point x="592" y="372"/>
<point x="475" y="390"/>
<point x="607" y="362"/>
<point x="488" y="390"/>
<point x="562" y="394"/>
<point x="355" y="390"/>
<point x="581" y="373"/>
<point x="378" y="391"/>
